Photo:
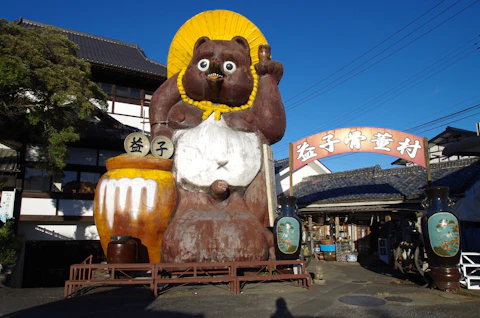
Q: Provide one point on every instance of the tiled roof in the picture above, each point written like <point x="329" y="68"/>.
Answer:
<point x="281" y="164"/>
<point x="375" y="184"/>
<point x="107" y="52"/>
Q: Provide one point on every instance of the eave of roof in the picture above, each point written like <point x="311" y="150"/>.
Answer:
<point x="374" y="184"/>
<point x="466" y="147"/>
<point x="107" y="52"/>
<point x="439" y="140"/>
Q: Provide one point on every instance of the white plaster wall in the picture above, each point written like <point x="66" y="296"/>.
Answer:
<point x="75" y="207"/>
<point x="37" y="206"/>
<point x="128" y="109"/>
<point x="136" y="122"/>
<point x="283" y="178"/>
<point x="58" y="232"/>
<point x="124" y="112"/>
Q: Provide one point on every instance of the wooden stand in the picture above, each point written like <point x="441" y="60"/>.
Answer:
<point x="158" y="277"/>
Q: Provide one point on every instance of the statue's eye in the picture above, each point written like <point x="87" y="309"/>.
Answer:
<point x="203" y="65"/>
<point x="229" y="67"/>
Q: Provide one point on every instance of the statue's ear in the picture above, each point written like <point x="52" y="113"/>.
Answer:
<point x="242" y="42"/>
<point x="200" y="41"/>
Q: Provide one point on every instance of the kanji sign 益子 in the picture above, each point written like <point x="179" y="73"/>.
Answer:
<point x="359" y="139"/>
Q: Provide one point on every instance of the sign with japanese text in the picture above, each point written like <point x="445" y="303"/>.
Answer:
<point x="359" y="139"/>
<point x="6" y="205"/>
<point x="137" y="144"/>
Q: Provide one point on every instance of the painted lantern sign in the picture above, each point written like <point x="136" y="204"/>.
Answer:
<point x="444" y="234"/>
<point x="359" y="139"/>
<point x="288" y="234"/>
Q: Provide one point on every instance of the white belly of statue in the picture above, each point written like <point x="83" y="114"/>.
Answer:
<point x="213" y="151"/>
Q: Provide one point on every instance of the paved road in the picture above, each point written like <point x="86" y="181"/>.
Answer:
<point x="350" y="290"/>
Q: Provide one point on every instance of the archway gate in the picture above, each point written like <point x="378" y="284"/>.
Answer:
<point x="359" y="139"/>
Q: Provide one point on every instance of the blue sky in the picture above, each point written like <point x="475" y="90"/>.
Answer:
<point x="391" y="64"/>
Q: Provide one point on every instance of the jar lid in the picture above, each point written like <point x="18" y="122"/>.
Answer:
<point x="120" y="237"/>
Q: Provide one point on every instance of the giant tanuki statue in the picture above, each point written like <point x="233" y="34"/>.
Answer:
<point x="219" y="104"/>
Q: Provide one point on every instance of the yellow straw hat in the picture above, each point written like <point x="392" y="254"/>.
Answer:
<point x="216" y="25"/>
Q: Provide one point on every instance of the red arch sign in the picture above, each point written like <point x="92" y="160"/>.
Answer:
<point x="359" y="139"/>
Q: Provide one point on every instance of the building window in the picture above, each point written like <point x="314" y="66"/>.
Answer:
<point x="126" y="94"/>
<point x="81" y="177"/>
<point x="82" y="156"/>
<point x="37" y="180"/>
<point x="69" y="182"/>
<point x="88" y="181"/>
<point x="107" y="88"/>
<point x="79" y="181"/>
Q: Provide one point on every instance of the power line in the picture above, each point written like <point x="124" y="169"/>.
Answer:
<point x="319" y="92"/>
<point x="361" y="108"/>
<point x="370" y="108"/>
<point x="425" y="125"/>
<point x="359" y="57"/>
<point x="411" y="129"/>
<point x="453" y="121"/>
<point x="443" y="118"/>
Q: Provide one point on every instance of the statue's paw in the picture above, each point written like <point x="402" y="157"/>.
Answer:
<point x="267" y="67"/>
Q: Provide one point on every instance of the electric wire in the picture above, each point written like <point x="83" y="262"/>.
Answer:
<point x="439" y="122"/>
<point x="361" y="108"/>
<point x="362" y="55"/>
<point x="372" y="107"/>
<point x="319" y="92"/>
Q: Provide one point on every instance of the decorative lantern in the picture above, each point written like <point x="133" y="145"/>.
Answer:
<point x="287" y="230"/>
<point x="441" y="234"/>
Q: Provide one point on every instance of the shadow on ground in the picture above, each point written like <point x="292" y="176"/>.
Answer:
<point x="118" y="302"/>
<point x="377" y="266"/>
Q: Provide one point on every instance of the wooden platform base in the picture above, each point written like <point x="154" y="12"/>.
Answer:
<point x="158" y="277"/>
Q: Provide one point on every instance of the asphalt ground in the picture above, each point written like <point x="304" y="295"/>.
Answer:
<point x="347" y="290"/>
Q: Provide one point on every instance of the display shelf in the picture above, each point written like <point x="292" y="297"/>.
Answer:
<point x="343" y="247"/>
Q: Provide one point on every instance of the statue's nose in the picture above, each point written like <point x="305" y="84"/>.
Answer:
<point x="214" y="62"/>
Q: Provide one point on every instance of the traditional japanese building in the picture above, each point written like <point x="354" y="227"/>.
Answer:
<point x="54" y="211"/>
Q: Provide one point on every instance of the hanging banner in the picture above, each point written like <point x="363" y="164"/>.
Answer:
<point x="6" y="205"/>
<point x="359" y="139"/>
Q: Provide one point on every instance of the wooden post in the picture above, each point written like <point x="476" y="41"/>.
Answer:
<point x="290" y="164"/>
<point x="269" y="164"/>
<point x="427" y="161"/>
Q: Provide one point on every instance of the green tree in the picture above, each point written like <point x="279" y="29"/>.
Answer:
<point x="9" y="244"/>
<point x="45" y="89"/>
